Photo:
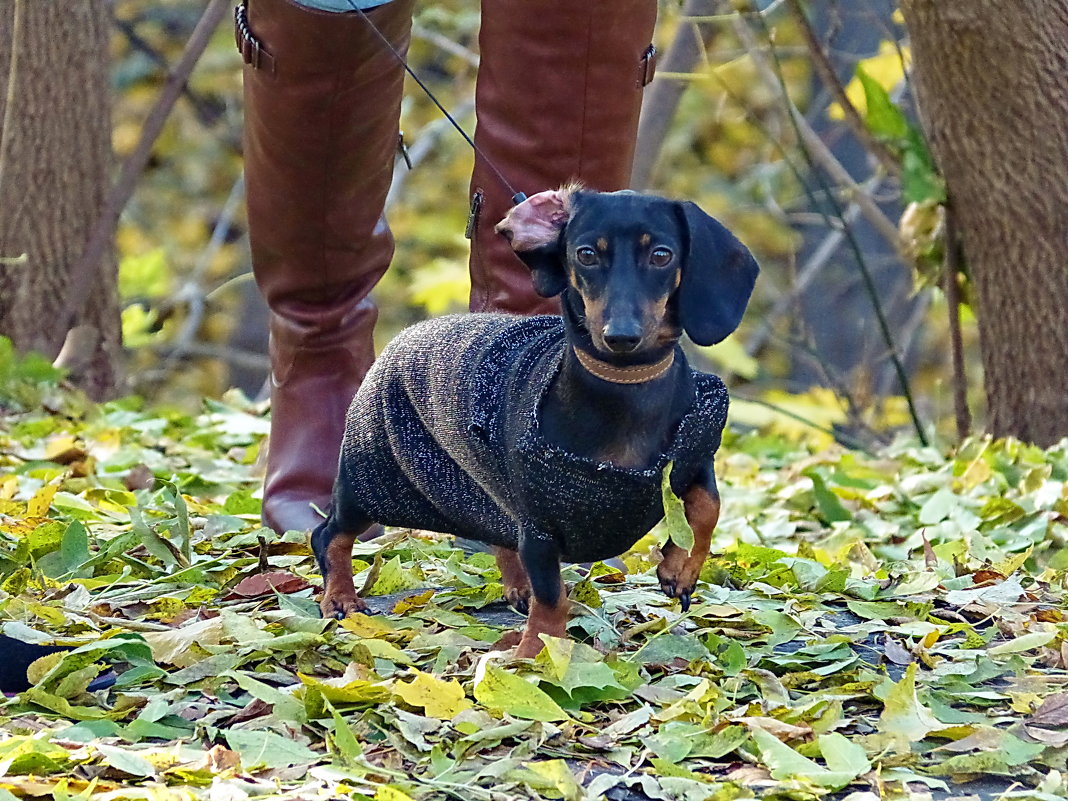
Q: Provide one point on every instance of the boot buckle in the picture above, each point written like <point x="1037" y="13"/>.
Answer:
<point x="648" y="65"/>
<point x="252" y="53"/>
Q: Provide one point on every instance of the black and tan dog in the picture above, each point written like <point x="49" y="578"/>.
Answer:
<point x="546" y="437"/>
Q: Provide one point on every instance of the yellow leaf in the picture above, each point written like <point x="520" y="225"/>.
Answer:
<point x="417" y="601"/>
<point x="41" y="502"/>
<point x="367" y="626"/>
<point x="58" y="446"/>
<point x="730" y="355"/>
<point x="387" y="792"/>
<point x="440" y="699"/>
<point x="344" y="691"/>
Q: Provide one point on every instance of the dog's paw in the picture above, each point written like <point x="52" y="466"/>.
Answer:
<point x="530" y="646"/>
<point x="678" y="575"/>
<point x="519" y="598"/>
<point x="340" y="606"/>
<point x="508" y="640"/>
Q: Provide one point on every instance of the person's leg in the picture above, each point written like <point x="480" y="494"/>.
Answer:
<point x="322" y="103"/>
<point x="558" y="95"/>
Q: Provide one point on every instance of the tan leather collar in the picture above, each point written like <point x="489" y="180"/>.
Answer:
<point x="637" y="374"/>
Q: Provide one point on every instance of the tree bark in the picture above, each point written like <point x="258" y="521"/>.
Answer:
<point x="992" y="82"/>
<point x="55" y="159"/>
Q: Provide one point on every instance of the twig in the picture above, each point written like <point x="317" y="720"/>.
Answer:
<point x="841" y="436"/>
<point x="425" y="142"/>
<point x="953" y="302"/>
<point x="9" y="97"/>
<point x="192" y="291"/>
<point x="815" y="151"/>
<point x="445" y="43"/>
<point x="830" y="79"/>
<point x="813" y="146"/>
<point x="206" y="111"/>
<point x="662" y="99"/>
<point x="805" y="276"/>
<point x="85" y="269"/>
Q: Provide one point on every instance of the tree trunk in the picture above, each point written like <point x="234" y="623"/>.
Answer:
<point x="992" y="83"/>
<point x="55" y="158"/>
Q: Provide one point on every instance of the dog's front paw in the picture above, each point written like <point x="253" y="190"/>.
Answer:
<point x="340" y="605"/>
<point x="519" y="598"/>
<point x="678" y="574"/>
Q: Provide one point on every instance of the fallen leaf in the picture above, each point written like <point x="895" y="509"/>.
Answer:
<point x="267" y="584"/>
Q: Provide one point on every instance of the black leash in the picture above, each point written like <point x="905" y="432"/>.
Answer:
<point x="517" y="197"/>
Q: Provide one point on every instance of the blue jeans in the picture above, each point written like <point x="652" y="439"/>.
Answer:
<point x="340" y="5"/>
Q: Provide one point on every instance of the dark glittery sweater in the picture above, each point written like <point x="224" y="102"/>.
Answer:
<point x="443" y="436"/>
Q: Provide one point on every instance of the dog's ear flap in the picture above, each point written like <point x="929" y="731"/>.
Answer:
<point x="717" y="278"/>
<point x="535" y="230"/>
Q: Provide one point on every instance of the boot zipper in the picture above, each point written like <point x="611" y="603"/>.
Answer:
<point x="472" y="217"/>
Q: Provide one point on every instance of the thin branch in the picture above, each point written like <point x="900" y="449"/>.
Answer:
<point x="443" y="42"/>
<point x="84" y="272"/>
<point x="830" y="79"/>
<point x="814" y="146"/>
<point x="206" y="111"/>
<point x="662" y="97"/>
<point x="815" y="151"/>
<point x="805" y="276"/>
<point x="953" y="303"/>
<point x="192" y="292"/>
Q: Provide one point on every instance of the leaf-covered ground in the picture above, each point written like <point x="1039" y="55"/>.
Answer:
<point x="872" y="626"/>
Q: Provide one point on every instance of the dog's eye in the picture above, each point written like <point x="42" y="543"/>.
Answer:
<point x="586" y="256"/>
<point x="661" y="257"/>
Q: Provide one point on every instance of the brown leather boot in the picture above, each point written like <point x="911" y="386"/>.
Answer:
<point x="322" y="103"/>
<point x="557" y="99"/>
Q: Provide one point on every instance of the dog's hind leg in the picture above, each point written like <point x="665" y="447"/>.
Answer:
<point x="679" y="571"/>
<point x="514" y="578"/>
<point x="540" y="556"/>
<point x="333" y="552"/>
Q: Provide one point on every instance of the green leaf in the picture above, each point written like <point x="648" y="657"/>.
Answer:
<point x="842" y="755"/>
<point x="74" y="548"/>
<point x="830" y="507"/>
<point x="269" y="750"/>
<point x="785" y="763"/>
<point x="505" y="692"/>
<point x="126" y="761"/>
<point x="345" y="743"/>
<point x="904" y="719"/>
<point x="883" y="118"/>
<point x="667" y="647"/>
<point x="675" y="523"/>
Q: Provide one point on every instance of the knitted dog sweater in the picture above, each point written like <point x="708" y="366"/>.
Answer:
<point x="443" y="436"/>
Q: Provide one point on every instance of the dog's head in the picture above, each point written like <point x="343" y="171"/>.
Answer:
<point x="642" y="267"/>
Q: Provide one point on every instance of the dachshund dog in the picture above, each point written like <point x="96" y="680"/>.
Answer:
<point x="547" y="437"/>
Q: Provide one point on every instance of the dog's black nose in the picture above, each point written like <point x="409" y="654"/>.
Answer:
<point x="622" y="339"/>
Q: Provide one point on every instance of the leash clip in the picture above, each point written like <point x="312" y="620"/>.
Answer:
<point x="402" y="146"/>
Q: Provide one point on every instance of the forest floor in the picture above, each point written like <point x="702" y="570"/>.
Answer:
<point x="871" y="625"/>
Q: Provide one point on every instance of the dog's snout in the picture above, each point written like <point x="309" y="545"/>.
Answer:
<point x="622" y="337"/>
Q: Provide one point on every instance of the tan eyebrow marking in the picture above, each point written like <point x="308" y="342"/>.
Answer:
<point x="602" y="244"/>
<point x="645" y="240"/>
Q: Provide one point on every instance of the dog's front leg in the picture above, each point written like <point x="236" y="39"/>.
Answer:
<point x="548" y="609"/>
<point x="679" y="571"/>
<point x="514" y="578"/>
<point x="333" y="552"/>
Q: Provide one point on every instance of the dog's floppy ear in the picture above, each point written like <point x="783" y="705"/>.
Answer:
<point x="717" y="278"/>
<point x="535" y="229"/>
